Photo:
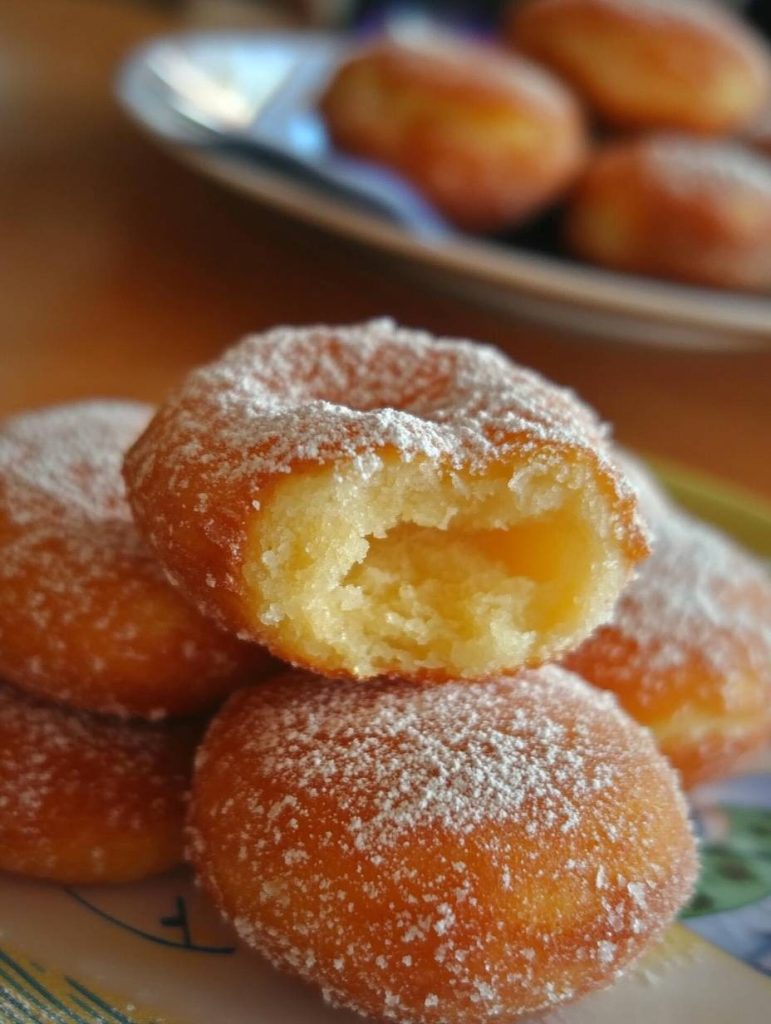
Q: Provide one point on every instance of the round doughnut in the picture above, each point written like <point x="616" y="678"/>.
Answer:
<point x="89" y="799"/>
<point x="86" y="615"/>
<point x="486" y="136"/>
<point x="453" y="854"/>
<point x="676" y="64"/>
<point x="672" y="207"/>
<point x="688" y="650"/>
<point x="369" y="500"/>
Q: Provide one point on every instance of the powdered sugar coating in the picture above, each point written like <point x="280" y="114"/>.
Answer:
<point x="86" y="615"/>
<point x="66" y="461"/>
<point x="685" y="164"/>
<point x="655" y="504"/>
<point x="297" y="397"/>
<point x="700" y="593"/>
<point x="451" y="853"/>
<point x="89" y="799"/>
<point x="316" y="394"/>
<point x="688" y="650"/>
<point x="457" y="65"/>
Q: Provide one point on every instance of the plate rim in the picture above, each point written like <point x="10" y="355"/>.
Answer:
<point x="740" y="512"/>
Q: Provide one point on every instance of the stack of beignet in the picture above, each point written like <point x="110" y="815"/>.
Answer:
<point x="432" y="821"/>
<point x="103" y="650"/>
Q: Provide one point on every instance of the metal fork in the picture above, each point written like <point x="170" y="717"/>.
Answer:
<point x="275" y="127"/>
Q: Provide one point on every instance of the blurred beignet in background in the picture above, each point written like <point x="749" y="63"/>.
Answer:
<point x="453" y="854"/>
<point x="370" y="500"/>
<point x="675" y="207"/>
<point x="674" y="64"/>
<point x="90" y="799"/>
<point x="688" y="650"/>
<point x="488" y="137"/>
<point x="86" y="614"/>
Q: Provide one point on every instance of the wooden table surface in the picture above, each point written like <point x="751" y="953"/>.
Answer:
<point x="119" y="269"/>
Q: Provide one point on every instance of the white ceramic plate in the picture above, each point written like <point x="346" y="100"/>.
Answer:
<point x="536" y="286"/>
<point x="152" y="953"/>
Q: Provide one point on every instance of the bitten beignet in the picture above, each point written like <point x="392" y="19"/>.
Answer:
<point x="370" y="500"/>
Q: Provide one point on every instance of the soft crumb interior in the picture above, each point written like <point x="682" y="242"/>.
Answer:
<point x="384" y="567"/>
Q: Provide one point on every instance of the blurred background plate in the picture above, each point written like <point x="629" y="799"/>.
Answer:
<point x="537" y="286"/>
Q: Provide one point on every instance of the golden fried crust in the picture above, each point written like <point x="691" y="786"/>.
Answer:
<point x="677" y="208"/>
<point x="350" y="403"/>
<point x="87" y="799"/>
<point x="86" y="614"/>
<point x="688" y="651"/>
<point x="450" y="854"/>
<point x="488" y="137"/>
<point x="677" y="64"/>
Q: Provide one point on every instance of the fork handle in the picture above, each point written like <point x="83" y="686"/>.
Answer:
<point x="351" y="183"/>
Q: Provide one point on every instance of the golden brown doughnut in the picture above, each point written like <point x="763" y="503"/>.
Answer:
<point x="452" y="854"/>
<point x="677" y="64"/>
<point x="370" y="500"/>
<point x="688" y="650"/>
<point x="86" y="615"/>
<point x="89" y="799"/>
<point x="488" y="137"/>
<point x="673" y="207"/>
